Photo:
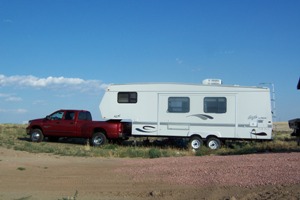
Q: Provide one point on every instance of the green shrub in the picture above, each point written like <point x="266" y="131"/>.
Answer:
<point x="21" y="168"/>
<point x="154" y="153"/>
<point x="132" y="152"/>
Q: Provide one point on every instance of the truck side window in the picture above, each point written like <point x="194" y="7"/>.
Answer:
<point x="127" y="97"/>
<point x="84" y="116"/>
<point x="215" y="105"/>
<point x="70" y="115"/>
<point x="179" y="104"/>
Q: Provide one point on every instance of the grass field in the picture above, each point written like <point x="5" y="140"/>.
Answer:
<point x="13" y="136"/>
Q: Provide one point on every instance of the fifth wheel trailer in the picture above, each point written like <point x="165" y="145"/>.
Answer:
<point x="209" y="112"/>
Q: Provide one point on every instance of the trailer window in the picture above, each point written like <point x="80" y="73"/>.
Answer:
<point x="127" y="97"/>
<point x="178" y="104"/>
<point x="215" y="105"/>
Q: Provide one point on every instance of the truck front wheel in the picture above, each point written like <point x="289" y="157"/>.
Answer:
<point x="98" y="139"/>
<point x="36" y="135"/>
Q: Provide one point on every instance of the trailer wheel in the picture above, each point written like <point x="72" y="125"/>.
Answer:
<point x="213" y="143"/>
<point x="195" y="142"/>
<point x="98" y="139"/>
<point x="36" y="135"/>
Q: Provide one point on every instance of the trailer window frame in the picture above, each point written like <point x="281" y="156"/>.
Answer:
<point x="216" y="105"/>
<point x="127" y="97"/>
<point x="178" y="104"/>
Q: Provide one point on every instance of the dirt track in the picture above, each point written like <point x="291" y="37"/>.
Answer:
<point x="42" y="176"/>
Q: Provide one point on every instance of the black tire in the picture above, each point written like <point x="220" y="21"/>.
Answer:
<point x="53" y="139"/>
<point x="36" y="135"/>
<point x="98" y="139"/>
<point x="213" y="143"/>
<point x="195" y="143"/>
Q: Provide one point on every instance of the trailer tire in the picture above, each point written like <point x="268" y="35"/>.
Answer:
<point x="98" y="139"/>
<point x="213" y="143"/>
<point x="36" y="135"/>
<point x="195" y="142"/>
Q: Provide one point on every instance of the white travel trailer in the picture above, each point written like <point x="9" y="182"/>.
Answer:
<point x="208" y="112"/>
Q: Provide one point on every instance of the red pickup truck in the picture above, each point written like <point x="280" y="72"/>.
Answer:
<point x="76" y="124"/>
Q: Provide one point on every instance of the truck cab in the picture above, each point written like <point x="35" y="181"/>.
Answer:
<point x="66" y="122"/>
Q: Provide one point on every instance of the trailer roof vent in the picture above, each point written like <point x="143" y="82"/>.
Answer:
<point x="212" y="82"/>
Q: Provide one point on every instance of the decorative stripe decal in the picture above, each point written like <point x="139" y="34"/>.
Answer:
<point x="146" y="129"/>
<point x="147" y="125"/>
<point x="201" y="116"/>
<point x="260" y="134"/>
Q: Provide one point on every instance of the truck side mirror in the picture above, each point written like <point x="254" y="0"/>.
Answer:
<point x="48" y="117"/>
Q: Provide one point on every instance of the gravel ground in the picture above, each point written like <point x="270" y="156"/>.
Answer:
<point x="243" y="170"/>
<point x="45" y="176"/>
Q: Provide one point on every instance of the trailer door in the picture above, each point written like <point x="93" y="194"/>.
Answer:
<point x="172" y="112"/>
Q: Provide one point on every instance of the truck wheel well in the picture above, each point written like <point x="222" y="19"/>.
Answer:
<point x="36" y="127"/>
<point x="96" y="130"/>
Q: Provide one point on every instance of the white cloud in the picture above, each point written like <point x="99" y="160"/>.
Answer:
<point x="15" y="111"/>
<point x="39" y="102"/>
<point x="20" y="110"/>
<point x="52" y="83"/>
<point x="10" y="97"/>
<point x="179" y="61"/>
<point x="198" y="69"/>
<point x="7" y="21"/>
<point x="14" y="99"/>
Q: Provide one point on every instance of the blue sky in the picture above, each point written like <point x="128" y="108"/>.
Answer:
<point x="63" y="53"/>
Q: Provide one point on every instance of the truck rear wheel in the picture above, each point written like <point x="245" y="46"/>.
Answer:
<point x="36" y="135"/>
<point x="98" y="139"/>
<point x="213" y="143"/>
<point x="195" y="142"/>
